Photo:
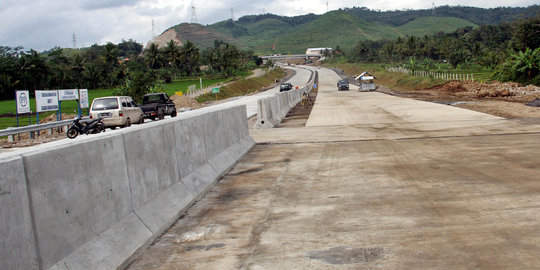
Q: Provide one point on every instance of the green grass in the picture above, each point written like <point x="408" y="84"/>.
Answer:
<point x="401" y="81"/>
<point x="182" y="85"/>
<point x="244" y="86"/>
<point x="70" y="106"/>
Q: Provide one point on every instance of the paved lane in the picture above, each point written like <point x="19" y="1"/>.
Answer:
<point x="300" y="79"/>
<point x="373" y="182"/>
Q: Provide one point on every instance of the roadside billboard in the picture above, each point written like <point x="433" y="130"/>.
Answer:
<point x="68" y="94"/>
<point x="83" y="101"/>
<point x="46" y="100"/>
<point x="23" y="101"/>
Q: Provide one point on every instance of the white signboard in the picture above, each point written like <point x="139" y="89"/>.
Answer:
<point x="83" y="93"/>
<point x="23" y="101"/>
<point x="68" y="94"/>
<point x="46" y="100"/>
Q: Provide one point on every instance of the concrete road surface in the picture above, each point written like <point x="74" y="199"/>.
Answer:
<point x="372" y="182"/>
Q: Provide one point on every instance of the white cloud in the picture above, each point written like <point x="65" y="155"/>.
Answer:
<point x="43" y="24"/>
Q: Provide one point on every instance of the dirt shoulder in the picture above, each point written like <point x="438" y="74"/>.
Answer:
<point x="501" y="99"/>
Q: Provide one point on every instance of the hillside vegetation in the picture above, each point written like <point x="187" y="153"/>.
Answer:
<point x="344" y="27"/>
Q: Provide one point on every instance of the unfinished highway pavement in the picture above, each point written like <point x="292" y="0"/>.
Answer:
<point x="371" y="182"/>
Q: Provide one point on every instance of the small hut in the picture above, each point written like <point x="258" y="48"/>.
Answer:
<point x="366" y="81"/>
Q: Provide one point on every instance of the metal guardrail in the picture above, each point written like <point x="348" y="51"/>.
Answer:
<point x="38" y="127"/>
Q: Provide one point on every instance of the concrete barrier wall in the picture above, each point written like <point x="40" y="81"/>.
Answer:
<point x="95" y="202"/>
<point x="272" y="110"/>
<point x="17" y="245"/>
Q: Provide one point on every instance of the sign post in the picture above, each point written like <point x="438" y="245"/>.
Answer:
<point x="46" y="100"/>
<point x="215" y="91"/>
<point x="83" y="100"/>
<point x="22" y="99"/>
<point x="66" y="94"/>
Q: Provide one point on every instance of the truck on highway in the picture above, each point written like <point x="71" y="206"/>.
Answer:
<point x="157" y="105"/>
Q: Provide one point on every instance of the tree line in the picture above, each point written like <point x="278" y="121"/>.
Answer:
<point x="125" y="65"/>
<point x="511" y="50"/>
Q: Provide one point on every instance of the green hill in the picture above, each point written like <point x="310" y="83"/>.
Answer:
<point x="331" y="29"/>
<point x="341" y="27"/>
<point x="421" y="26"/>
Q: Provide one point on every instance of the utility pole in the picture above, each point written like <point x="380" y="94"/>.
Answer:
<point x="433" y="9"/>
<point x="326" y="6"/>
<point x="74" y="41"/>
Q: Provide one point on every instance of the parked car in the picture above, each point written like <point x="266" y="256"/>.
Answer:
<point x="157" y="105"/>
<point x="116" y="111"/>
<point x="285" y="87"/>
<point x="343" y="85"/>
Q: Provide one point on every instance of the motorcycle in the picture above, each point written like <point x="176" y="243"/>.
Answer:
<point x="90" y="127"/>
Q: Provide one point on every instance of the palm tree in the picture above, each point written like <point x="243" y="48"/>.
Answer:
<point x="171" y="53"/>
<point x="78" y="66"/>
<point x="389" y="49"/>
<point x="34" y="69"/>
<point x="110" y="56"/>
<point x="152" y="56"/>
<point x="190" y="57"/>
<point x="412" y="44"/>
<point x="92" y="74"/>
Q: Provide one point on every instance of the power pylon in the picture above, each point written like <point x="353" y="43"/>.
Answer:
<point x="193" y="15"/>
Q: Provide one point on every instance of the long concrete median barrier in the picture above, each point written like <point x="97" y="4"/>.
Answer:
<point x="95" y="203"/>
<point x="272" y="110"/>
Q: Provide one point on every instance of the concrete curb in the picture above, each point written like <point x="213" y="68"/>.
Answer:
<point x="114" y="193"/>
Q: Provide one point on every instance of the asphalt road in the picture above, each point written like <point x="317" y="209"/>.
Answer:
<point x="372" y="182"/>
<point x="300" y="79"/>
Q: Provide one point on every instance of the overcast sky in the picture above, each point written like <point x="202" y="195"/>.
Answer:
<point x="43" y="24"/>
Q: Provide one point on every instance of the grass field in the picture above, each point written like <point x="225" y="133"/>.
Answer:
<point x="244" y="86"/>
<point x="70" y="107"/>
<point x="401" y="81"/>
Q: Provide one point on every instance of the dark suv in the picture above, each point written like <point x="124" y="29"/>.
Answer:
<point x="285" y="87"/>
<point x="343" y="85"/>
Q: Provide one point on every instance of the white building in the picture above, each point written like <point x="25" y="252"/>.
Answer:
<point x="316" y="51"/>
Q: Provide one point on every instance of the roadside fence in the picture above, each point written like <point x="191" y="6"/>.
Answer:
<point x="434" y="75"/>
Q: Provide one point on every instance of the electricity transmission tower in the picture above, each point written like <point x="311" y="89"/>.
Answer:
<point x="193" y="15"/>
<point x="153" y="28"/>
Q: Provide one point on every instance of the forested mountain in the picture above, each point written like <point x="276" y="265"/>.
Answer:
<point x="475" y="15"/>
<point x="269" y="33"/>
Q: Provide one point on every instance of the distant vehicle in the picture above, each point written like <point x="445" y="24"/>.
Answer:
<point x="366" y="81"/>
<point x="157" y="105"/>
<point x="343" y="85"/>
<point x="116" y="111"/>
<point x="285" y="87"/>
